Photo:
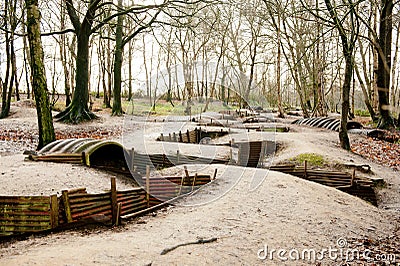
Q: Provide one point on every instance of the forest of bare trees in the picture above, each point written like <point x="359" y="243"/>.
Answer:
<point x="318" y="56"/>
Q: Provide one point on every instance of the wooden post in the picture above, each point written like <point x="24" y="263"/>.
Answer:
<point x="114" y="204"/>
<point x="215" y="173"/>
<point x="183" y="179"/>
<point x="180" y="187"/>
<point x="188" y="135"/>
<point x="353" y="176"/>
<point x="54" y="211"/>
<point x="118" y="220"/>
<point x="194" y="181"/>
<point x="231" y="150"/>
<point x="262" y="153"/>
<point x="180" y="137"/>
<point x="305" y="168"/>
<point x="177" y="156"/>
<point x="186" y="173"/>
<point x="84" y="159"/>
<point x="132" y="166"/>
<point x="67" y="207"/>
<point x="148" y="185"/>
<point x="170" y="138"/>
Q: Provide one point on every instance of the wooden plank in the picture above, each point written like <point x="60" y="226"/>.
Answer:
<point x="67" y="208"/>
<point x="118" y="221"/>
<point x="114" y="204"/>
<point x="54" y="210"/>
<point x="148" y="184"/>
<point x="194" y="181"/>
<point x="188" y="136"/>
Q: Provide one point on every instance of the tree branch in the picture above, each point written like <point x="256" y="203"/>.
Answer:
<point x="73" y="16"/>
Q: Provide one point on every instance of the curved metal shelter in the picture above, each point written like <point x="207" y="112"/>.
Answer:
<point x="92" y="151"/>
<point x="326" y="122"/>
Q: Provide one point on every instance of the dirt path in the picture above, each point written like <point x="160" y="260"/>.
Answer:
<point x="281" y="213"/>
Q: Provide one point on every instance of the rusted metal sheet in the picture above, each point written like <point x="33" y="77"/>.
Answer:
<point x="345" y="182"/>
<point x="24" y="214"/>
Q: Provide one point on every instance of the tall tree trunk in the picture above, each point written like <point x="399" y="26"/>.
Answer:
<point x="14" y="70"/>
<point x="26" y="57"/>
<point x="384" y="64"/>
<point x="45" y="121"/>
<point x="130" y="71"/>
<point x="109" y="72"/>
<point x="5" y="103"/>
<point x="117" y="106"/>
<point x="394" y="68"/>
<point x="78" y="111"/>
<point x="348" y="48"/>
<point x="278" y="69"/>
<point x="63" y="58"/>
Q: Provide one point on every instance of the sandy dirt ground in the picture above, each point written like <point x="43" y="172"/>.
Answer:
<point x="283" y="212"/>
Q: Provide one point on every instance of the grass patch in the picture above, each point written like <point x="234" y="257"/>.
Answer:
<point x="162" y="107"/>
<point x="362" y="113"/>
<point x="311" y="158"/>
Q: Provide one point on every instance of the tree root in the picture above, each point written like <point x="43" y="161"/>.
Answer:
<point x="200" y="241"/>
<point x="75" y="114"/>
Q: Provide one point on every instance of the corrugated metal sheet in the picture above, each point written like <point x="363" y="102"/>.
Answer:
<point x="326" y="122"/>
<point x="67" y="148"/>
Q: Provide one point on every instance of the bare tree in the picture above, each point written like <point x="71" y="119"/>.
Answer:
<point x="45" y="121"/>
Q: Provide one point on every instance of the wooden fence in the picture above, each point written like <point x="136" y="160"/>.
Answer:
<point x="346" y="182"/>
<point x="193" y="136"/>
<point x="21" y="214"/>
